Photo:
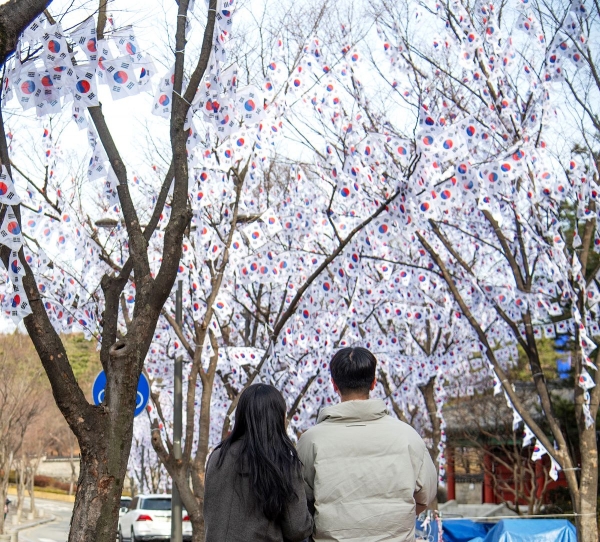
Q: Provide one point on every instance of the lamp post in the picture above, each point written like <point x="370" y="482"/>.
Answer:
<point x="176" y="508"/>
<point x="106" y="223"/>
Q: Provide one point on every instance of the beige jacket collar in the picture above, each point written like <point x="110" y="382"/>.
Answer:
<point x="354" y="411"/>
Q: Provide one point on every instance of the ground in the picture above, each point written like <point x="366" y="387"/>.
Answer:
<point x="54" y="531"/>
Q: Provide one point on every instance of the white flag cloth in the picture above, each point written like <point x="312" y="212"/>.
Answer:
<point x="538" y="451"/>
<point x="8" y="195"/>
<point x="10" y="231"/>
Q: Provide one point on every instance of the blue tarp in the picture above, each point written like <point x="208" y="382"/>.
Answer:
<point x="429" y="531"/>
<point x="510" y="530"/>
<point x="463" y="530"/>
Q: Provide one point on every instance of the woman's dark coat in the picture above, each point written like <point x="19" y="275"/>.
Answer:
<point x="232" y="513"/>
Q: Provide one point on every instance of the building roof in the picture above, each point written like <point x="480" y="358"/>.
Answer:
<point x="483" y="415"/>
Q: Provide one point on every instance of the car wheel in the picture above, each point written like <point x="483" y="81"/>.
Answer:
<point x="133" y="538"/>
<point x="120" y="536"/>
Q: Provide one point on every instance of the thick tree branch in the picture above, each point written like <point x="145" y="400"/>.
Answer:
<point x="15" y="16"/>
<point x="180" y="214"/>
<point x="294" y="408"/>
<point x="138" y="246"/>
<point x="291" y="309"/>
<point x="383" y="378"/>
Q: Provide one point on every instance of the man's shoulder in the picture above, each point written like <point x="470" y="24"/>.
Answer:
<point x="399" y="425"/>
<point x="391" y="426"/>
<point x="406" y="431"/>
<point x="311" y="434"/>
<point x="396" y="428"/>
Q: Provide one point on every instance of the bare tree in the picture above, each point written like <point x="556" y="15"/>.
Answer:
<point x="62" y="438"/>
<point x="104" y="432"/>
<point x="18" y="386"/>
<point x="506" y="257"/>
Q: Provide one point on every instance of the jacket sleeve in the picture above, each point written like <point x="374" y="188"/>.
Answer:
<point x="297" y="523"/>
<point x="306" y="455"/>
<point x="426" y="486"/>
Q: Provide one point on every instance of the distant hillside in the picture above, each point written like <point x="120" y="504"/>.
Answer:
<point x="85" y="361"/>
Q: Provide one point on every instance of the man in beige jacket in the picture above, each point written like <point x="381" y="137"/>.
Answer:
<point x="367" y="474"/>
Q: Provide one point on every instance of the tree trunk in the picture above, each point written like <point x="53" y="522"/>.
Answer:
<point x="3" y="497"/>
<point x="102" y="472"/>
<point x="436" y="427"/>
<point x="5" y="472"/>
<point x="31" y="490"/>
<point x="587" y="526"/>
<point x="72" y="465"/>
<point x="20" y="488"/>
<point x="15" y="16"/>
<point x="105" y="443"/>
<point x="198" y="530"/>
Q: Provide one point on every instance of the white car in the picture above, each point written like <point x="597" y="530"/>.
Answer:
<point x="124" y="505"/>
<point x="149" y="518"/>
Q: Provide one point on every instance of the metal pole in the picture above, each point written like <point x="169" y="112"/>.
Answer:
<point x="176" y="508"/>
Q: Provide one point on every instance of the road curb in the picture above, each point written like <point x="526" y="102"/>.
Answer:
<point x="40" y="494"/>
<point x="29" y="525"/>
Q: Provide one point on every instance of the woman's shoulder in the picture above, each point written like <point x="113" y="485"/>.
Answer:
<point x="230" y="456"/>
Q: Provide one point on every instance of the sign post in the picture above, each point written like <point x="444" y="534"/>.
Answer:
<point x="176" y="508"/>
<point x="143" y="392"/>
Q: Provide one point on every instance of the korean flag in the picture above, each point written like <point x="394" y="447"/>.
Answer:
<point x="56" y="51"/>
<point x="10" y="231"/>
<point x="224" y="14"/>
<point x="255" y="235"/>
<point x="271" y="222"/>
<point x="85" y="37"/>
<point x="120" y="77"/>
<point x="251" y="105"/>
<point x="8" y="195"/>
<point x="85" y="91"/>
<point x="26" y="86"/>
<point x="19" y="305"/>
<point x="127" y="44"/>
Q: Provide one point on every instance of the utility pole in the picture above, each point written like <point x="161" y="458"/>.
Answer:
<point x="176" y="508"/>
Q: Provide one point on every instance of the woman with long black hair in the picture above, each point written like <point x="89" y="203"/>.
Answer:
<point x="253" y="488"/>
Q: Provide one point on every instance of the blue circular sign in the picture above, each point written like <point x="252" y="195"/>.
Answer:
<point x="143" y="392"/>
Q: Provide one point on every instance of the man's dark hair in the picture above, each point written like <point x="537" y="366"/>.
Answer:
<point x="353" y="370"/>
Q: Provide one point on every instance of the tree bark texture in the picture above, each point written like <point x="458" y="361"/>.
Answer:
<point x="105" y="442"/>
<point x="428" y="392"/>
<point x="587" y="495"/>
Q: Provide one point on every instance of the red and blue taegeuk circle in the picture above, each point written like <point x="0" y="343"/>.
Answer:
<point x="54" y="46"/>
<point x="121" y="77"/>
<point x="28" y="87"/>
<point x="13" y="227"/>
<point x="83" y="86"/>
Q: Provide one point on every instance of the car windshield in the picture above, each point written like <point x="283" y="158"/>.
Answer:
<point x="156" y="504"/>
<point x="125" y="503"/>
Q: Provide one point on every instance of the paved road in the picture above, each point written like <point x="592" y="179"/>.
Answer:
<point x="55" y="531"/>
